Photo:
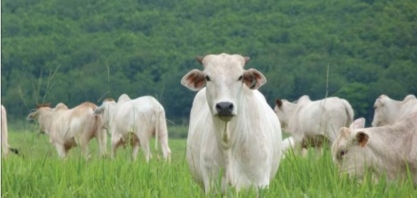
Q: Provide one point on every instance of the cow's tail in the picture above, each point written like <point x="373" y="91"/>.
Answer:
<point x="349" y="112"/>
<point x="157" y="128"/>
<point x="99" y="133"/>
<point x="14" y="150"/>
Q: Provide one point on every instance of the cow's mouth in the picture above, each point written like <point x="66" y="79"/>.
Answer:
<point x="225" y="118"/>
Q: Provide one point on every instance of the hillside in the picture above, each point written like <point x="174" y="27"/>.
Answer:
<point x="93" y="49"/>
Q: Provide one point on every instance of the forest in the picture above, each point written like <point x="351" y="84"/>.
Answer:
<point x="87" y="50"/>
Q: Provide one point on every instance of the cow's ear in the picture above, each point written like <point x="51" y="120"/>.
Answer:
<point x="358" y="124"/>
<point x="194" y="80"/>
<point x="199" y="59"/>
<point x="362" y="138"/>
<point x="247" y="58"/>
<point x="344" y="131"/>
<point x="253" y="78"/>
<point x="278" y="102"/>
<point x="99" y="110"/>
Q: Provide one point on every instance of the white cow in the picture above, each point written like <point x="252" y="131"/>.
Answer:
<point x="232" y="127"/>
<point x="136" y="120"/>
<point x="388" y="150"/>
<point x="311" y="123"/>
<point x="389" y="111"/>
<point x="4" y="134"/>
<point x="68" y="128"/>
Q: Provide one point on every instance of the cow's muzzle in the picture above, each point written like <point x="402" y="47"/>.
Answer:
<point x="225" y="110"/>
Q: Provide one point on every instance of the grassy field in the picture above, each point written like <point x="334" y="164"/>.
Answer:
<point x="39" y="173"/>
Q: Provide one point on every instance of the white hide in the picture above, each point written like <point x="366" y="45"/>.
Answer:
<point x="5" y="133"/>
<point x="312" y="122"/>
<point x="246" y="143"/>
<point x="136" y="120"/>
<point x="389" y="111"/>
<point x="386" y="150"/>
<point x="68" y="128"/>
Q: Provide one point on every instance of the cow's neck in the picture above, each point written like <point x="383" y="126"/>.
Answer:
<point x="393" y="139"/>
<point x="45" y="118"/>
<point x="227" y="132"/>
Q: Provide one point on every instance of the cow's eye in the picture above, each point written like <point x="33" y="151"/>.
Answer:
<point x="374" y="107"/>
<point x="342" y="153"/>
<point x="240" y="77"/>
<point x="207" y="78"/>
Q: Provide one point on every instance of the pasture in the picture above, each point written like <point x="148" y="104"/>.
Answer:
<point x="39" y="173"/>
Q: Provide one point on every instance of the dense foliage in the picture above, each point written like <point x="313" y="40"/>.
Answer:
<point x="73" y="51"/>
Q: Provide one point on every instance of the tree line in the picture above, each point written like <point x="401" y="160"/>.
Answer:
<point x="86" y="50"/>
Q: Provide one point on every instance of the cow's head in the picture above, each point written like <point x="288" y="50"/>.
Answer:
<point x="381" y="111"/>
<point x="225" y="80"/>
<point x="284" y="110"/>
<point x="33" y="115"/>
<point x="106" y="110"/>
<point x="349" y="150"/>
<point x="61" y="106"/>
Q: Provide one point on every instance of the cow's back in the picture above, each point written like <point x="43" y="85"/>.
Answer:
<point x="321" y="117"/>
<point x="142" y="110"/>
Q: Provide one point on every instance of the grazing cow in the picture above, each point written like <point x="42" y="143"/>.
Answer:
<point x="136" y="120"/>
<point x="311" y="123"/>
<point x="232" y="127"/>
<point x="68" y="128"/>
<point x="4" y="134"/>
<point x="389" y="111"/>
<point x="389" y="150"/>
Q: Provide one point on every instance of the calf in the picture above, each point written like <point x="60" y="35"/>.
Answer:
<point x="68" y="128"/>
<point x="136" y="120"/>
<point x="312" y="123"/>
<point x="388" y="150"/>
<point x="389" y="111"/>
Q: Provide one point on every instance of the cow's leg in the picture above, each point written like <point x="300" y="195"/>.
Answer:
<point x="144" y="142"/>
<point x="101" y="137"/>
<point x="162" y="132"/>
<point x="134" y="142"/>
<point x="116" y="141"/>
<point x="84" y="148"/>
<point x="163" y="140"/>
<point x="62" y="150"/>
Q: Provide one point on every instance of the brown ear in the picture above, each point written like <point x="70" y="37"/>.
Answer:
<point x="362" y="138"/>
<point x="278" y="102"/>
<point x="194" y="80"/>
<point x="253" y="78"/>
<point x="199" y="59"/>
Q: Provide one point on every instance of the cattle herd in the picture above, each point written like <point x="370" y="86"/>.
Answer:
<point x="234" y="132"/>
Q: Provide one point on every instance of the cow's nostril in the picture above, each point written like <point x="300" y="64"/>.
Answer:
<point x="224" y="108"/>
<point x="231" y="107"/>
<point x="218" y="107"/>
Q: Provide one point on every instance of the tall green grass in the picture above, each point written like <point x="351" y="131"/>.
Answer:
<point x="39" y="173"/>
